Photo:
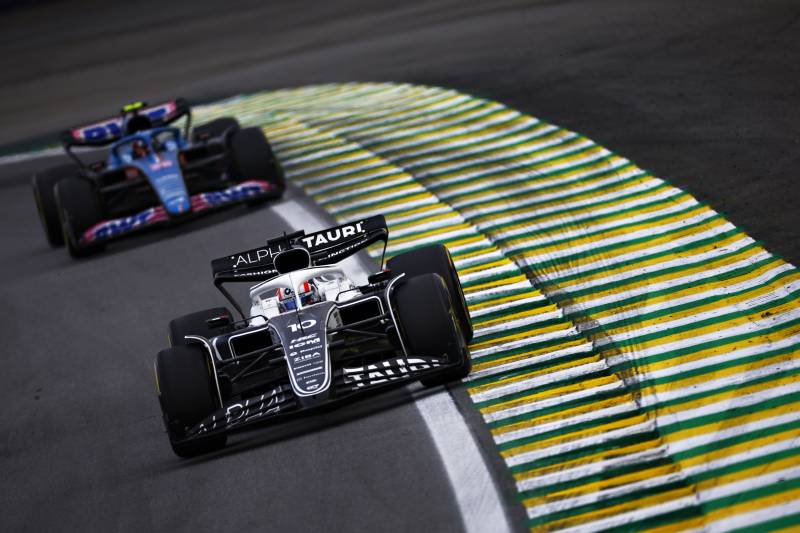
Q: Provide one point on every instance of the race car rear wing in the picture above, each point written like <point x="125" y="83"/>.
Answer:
<point x="106" y="131"/>
<point x="325" y="247"/>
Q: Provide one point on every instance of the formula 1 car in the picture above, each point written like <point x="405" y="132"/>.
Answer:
<point x="152" y="174"/>
<point x="312" y="337"/>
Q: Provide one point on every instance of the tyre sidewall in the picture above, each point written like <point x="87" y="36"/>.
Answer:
<point x="427" y="320"/>
<point x="79" y="209"/>
<point x="187" y="395"/>
<point x="436" y="259"/>
<point x="251" y="158"/>
<point x="43" y="185"/>
<point x="215" y="128"/>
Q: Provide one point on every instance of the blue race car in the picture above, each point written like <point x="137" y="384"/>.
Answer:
<point x="152" y="173"/>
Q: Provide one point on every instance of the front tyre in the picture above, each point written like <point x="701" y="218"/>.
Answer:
<point x="79" y="209"/>
<point x="43" y="185"/>
<point x="436" y="259"/>
<point x="430" y="327"/>
<point x="252" y="159"/>
<point x="187" y="394"/>
<point x="216" y="128"/>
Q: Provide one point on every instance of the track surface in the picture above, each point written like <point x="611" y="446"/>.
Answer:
<point x="699" y="94"/>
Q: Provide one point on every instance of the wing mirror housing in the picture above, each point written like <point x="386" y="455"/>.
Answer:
<point x="220" y="321"/>
<point x="380" y="277"/>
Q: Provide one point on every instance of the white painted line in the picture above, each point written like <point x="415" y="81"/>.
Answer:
<point x="565" y="333"/>
<point x="477" y="497"/>
<point x="608" y="262"/>
<point x="529" y="361"/>
<point x="753" y="325"/>
<point x="518" y="323"/>
<point x="617" y="239"/>
<point x="538" y="429"/>
<point x="532" y="406"/>
<point x="498" y="391"/>
<point x="592" y="469"/>
<point x="647" y="183"/>
<point x="753" y="518"/>
<point x="504" y="306"/>
<point x="577" y="444"/>
<point x="25" y="156"/>
<point x="707" y="256"/>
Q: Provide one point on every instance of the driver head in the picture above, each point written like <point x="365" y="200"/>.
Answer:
<point x="137" y="123"/>
<point x="286" y="300"/>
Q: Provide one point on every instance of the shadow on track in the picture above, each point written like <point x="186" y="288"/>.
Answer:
<point x="270" y="433"/>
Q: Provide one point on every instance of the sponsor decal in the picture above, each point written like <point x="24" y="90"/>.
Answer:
<point x="161" y="164"/>
<point x="119" y="226"/>
<point x="332" y="235"/>
<point x="385" y="371"/>
<point x="307" y="360"/>
<point x="310" y="323"/>
<point x="237" y="193"/>
<point x="304" y="340"/>
<point x="237" y="413"/>
<point x="199" y="202"/>
<point x="346" y="249"/>
<point x="251" y="258"/>
<point x="254" y="274"/>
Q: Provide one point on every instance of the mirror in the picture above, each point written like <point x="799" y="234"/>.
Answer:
<point x="220" y="321"/>
<point x="379" y="277"/>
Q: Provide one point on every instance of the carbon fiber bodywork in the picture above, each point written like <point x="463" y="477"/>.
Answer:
<point x="317" y="356"/>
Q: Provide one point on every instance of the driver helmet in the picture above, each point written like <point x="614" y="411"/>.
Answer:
<point x="135" y="123"/>
<point x="286" y="300"/>
<point x="139" y="149"/>
<point x="310" y="293"/>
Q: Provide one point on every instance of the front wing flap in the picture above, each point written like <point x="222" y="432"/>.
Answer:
<point x="348" y="382"/>
<point x="201" y="202"/>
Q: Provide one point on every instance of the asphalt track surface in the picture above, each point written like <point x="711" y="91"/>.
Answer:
<point x="702" y="94"/>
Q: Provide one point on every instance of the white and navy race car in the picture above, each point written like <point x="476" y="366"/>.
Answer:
<point x="151" y="174"/>
<point x="312" y="336"/>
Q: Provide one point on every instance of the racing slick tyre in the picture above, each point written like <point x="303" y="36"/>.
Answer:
<point x="195" y="324"/>
<point x="79" y="209"/>
<point x="436" y="259"/>
<point x="44" y="184"/>
<point x="252" y="159"/>
<point x="430" y="327"/>
<point x="187" y="395"/>
<point x="216" y="128"/>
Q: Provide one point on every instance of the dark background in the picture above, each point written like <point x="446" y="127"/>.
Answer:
<point x="704" y="94"/>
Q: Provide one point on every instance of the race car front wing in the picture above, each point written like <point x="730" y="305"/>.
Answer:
<point x="200" y="203"/>
<point x="348" y="382"/>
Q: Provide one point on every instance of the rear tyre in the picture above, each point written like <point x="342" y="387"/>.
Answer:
<point x="436" y="259"/>
<point x="216" y="128"/>
<point x="430" y="327"/>
<point x="79" y="209"/>
<point x="187" y="395"/>
<point x="252" y="159"/>
<point x="43" y="184"/>
<point x="195" y="324"/>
